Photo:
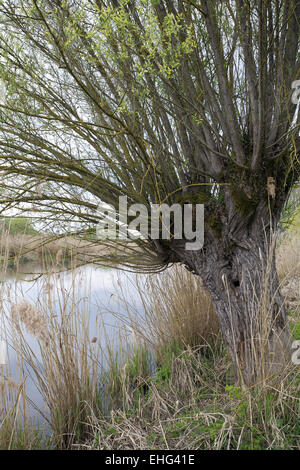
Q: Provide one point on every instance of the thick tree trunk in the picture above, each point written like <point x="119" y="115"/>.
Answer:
<point x="251" y="312"/>
<point x="240" y="275"/>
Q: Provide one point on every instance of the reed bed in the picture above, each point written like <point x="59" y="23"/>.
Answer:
<point x="167" y="383"/>
<point x="54" y="346"/>
<point x="189" y="405"/>
<point x="42" y="249"/>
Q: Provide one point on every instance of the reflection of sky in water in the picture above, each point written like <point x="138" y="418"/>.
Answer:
<point x="93" y="291"/>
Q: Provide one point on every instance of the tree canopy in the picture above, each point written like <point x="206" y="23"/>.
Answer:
<point x="162" y="101"/>
<point x="147" y="98"/>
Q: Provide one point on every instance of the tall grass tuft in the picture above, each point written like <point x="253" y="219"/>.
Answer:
<point x="176" y="309"/>
<point x="288" y="257"/>
<point x="190" y="405"/>
<point x="65" y="364"/>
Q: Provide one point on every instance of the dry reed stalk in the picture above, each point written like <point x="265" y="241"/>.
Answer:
<point x="288" y="257"/>
<point x="32" y="318"/>
<point x="175" y="309"/>
<point x="266" y="352"/>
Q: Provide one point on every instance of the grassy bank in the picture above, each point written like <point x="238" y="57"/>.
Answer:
<point x="191" y="403"/>
<point x="170" y="384"/>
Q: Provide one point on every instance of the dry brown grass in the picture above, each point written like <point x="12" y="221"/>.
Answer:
<point x="33" y="319"/>
<point x="187" y="404"/>
<point x="192" y="408"/>
<point x="288" y="268"/>
<point x="43" y="249"/>
<point x="67" y="371"/>
<point x="31" y="247"/>
<point x="176" y="309"/>
<point x="268" y="349"/>
<point x="179" y="309"/>
<point x="288" y="257"/>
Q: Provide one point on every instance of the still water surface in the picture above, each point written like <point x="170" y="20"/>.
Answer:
<point x="94" y="291"/>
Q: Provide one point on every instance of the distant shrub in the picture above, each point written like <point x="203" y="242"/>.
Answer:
<point x="18" y="226"/>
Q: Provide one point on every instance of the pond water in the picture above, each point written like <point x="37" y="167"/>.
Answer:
<point x="105" y="295"/>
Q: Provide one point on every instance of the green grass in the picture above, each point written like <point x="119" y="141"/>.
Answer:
<point x="295" y="324"/>
<point x="296" y="221"/>
<point x="189" y="404"/>
<point x="295" y="329"/>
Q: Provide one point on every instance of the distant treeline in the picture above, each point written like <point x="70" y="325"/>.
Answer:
<point x="17" y="226"/>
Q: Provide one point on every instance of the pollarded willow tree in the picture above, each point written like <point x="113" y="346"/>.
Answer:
<point x="160" y="101"/>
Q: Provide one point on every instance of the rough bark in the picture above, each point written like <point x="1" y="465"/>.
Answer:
<point x="239" y="271"/>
